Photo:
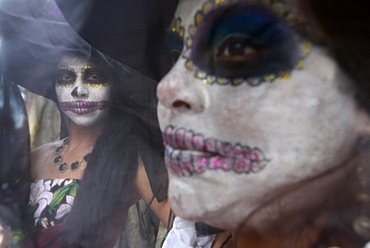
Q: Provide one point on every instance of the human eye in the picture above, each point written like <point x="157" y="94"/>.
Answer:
<point x="65" y="78"/>
<point x="175" y="39"/>
<point x="238" y="47"/>
<point x="244" y="40"/>
<point x="95" y="78"/>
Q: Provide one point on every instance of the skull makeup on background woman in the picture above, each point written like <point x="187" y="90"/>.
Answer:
<point x="83" y="90"/>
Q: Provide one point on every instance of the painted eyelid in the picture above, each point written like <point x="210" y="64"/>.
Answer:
<point x="264" y="32"/>
<point x="67" y="75"/>
<point x="252" y="43"/>
<point x="65" y="71"/>
<point x="70" y="74"/>
<point x="95" y="75"/>
<point x="175" y="44"/>
<point x="100" y="80"/>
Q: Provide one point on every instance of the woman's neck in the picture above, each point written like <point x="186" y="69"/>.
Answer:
<point x="81" y="135"/>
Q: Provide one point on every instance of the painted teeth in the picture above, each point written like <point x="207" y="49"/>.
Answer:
<point x="189" y="140"/>
<point x="226" y="157"/>
<point x="74" y="104"/>
<point x="210" y="144"/>
<point x="166" y="135"/>
<point x="198" y="142"/>
<point x="180" y="138"/>
<point x="80" y="107"/>
<point x="184" y="164"/>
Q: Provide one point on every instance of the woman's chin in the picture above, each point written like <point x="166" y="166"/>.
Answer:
<point x="211" y="214"/>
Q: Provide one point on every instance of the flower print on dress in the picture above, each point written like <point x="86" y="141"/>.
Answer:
<point x="57" y="182"/>
<point x="65" y="208"/>
<point x="40" y="197"/>
<point x="45" y="222"/>
<point x="60" y="196"/>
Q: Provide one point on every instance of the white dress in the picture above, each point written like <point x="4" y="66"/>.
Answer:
<point x="183" y="235"/>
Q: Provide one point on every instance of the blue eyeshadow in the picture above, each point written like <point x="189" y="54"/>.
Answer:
<point x="244" y="40"/>
<point x="175" y="43"/>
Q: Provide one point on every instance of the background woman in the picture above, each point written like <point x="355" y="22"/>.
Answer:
<point x="101" y="149"/>
<point x="35" y="38"/>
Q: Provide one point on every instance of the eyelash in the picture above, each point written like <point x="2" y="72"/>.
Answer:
<point x="61" y="80"/>
<point x="246" y="56"/>
<point x="246" y="40"/>
<point x="91" y="78"/>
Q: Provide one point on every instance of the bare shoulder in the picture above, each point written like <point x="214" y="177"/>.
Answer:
<point x="161" y="209"/>
<point x="43" y="151"/>
<point x="42" y="156"/>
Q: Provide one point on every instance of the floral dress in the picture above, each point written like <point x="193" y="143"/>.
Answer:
<point x="51" y="200"/>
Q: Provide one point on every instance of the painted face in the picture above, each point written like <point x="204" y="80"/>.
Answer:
<point x="83" y="90"/>
<point x="249" y="109"/>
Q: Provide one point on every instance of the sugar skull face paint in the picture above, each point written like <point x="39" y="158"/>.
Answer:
<point x="231" y="147"/>
<point x="211" y="154"/>
<point x="83" y="90"/>
<point x="244" y="36"/>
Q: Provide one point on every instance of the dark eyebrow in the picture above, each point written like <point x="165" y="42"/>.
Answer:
<point x="65" y="68"/>
<point x="94" y="69"/>
<point x="99" y="71"/>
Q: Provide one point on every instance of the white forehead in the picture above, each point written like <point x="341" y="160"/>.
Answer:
<point x="74" y="61"/>
<point x="188" y="8"/>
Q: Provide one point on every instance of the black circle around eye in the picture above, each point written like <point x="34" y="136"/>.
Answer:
<point x="95" y="77"/>
<point x="238" y="47"/>
<point x="175" y="44"/>
<point x="175" y="54"/>
<point x="65" y="77"/>
<point x="243" y="40"/>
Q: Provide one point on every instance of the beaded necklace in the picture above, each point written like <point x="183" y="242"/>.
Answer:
<point x="63" y="166"/>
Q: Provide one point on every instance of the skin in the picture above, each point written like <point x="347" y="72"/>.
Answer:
<point x="79" y="91"/>
<point x="41" y="169"/>
<point x="85" y="128"/>
<point x="5" y="239"/>
<point x="306" y="126"/>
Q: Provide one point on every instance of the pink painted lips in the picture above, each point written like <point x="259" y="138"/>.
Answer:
<point x="188" y="153"/>
<point x="82" y="107"/>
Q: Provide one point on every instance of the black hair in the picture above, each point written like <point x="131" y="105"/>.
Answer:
<point x="106" y="190"/>
<point x="107" y="184"/>
<point x="342" y="26"/>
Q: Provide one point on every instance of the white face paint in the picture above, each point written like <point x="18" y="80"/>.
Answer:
<point x="230" y="148"/>
<point x="83" y="90"/>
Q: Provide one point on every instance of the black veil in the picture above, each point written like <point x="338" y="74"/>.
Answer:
<point x="35" y="35"/>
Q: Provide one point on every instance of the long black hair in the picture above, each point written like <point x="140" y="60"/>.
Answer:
<point x="342" y="26"/>
<point x="107" y="190"/>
